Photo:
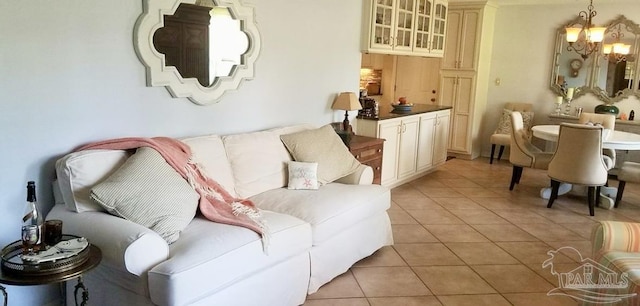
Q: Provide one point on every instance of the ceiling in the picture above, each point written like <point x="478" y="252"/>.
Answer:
<point x="557" y="2"/>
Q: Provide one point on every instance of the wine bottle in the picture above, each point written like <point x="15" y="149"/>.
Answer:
<point x="32" y="222"/>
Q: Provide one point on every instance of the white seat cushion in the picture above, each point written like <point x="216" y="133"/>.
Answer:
<point x="210" y="256"/>
<point x="330" y="209"/>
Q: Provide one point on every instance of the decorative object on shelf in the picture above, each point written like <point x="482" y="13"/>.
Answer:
<point x="584" y="40"/>
<point x="559" y="100"/>
<point x="569" y="97"/>
<point x="606" y="109"/>
<point x="632" y="115"/>
<point x="346" y="101"/>
<point x="617" y="51"/>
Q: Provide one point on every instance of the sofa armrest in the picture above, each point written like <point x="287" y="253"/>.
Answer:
<point x="362" y="176"/>
<point x="124" y="244"/>
<point x="615" y="236"/>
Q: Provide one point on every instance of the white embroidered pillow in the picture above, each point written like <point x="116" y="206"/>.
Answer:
<point x="303" y="175"/>
<point x="504" y="126"/>
<point x="148" y="191"/>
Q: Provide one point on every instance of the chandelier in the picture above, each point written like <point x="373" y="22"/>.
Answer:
<point x="617" y="51"/>
<point x="585" y="39"/>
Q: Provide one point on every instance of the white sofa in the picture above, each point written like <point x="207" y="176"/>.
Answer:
<point x="316" y="235"/>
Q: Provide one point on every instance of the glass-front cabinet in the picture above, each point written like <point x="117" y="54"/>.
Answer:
<point x="405" y="27"/>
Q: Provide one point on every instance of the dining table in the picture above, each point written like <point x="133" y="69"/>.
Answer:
<point x="612" y="139"/>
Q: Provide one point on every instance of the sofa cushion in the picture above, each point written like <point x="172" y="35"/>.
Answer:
<point x="330" y="209"/>
<point x="210" y="256"/>
<point x="148" y="191"/>
<point x="322" y="146"/>
<point x="303" y="175"/>
<point x="210" y="155"/>
<point x="78" y="172"/>
<point x="258" y="160"/>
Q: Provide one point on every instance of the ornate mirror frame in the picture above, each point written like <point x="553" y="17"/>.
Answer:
<point x="591" y="68"/>
<point x="158" y="74"/>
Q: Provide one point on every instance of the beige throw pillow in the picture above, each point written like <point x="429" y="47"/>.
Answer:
<point x="322" y="146"/>
<point x="504" y="126"/>
<point x="148" y="191"/>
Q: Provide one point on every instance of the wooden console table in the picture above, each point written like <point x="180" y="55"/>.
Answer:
<point x="368" y="151"/>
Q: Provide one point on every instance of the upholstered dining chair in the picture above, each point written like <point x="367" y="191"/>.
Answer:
<point x="522" y="153"/>
<point x="502" y="135"/>
<point x="608" y="122"/>
<point x="629" y="172"/>
<point x="578" y="159"/>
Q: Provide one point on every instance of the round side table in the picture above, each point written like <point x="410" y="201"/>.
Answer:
<point x="95" y="256"/>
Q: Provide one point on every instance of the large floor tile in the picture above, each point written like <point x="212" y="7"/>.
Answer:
<point x="337" y="302"/>
<point x="457" y="203"/>
<point x="411" y="233"/>
<point x="417" y="203"/>
<point x="532" y="252"/>
<point x="385" y="257"/>
<point x="405" y="301"/>
<point x="343" y="286"/>
<point x="536" y="299"/>
<point x="513" y="278"/>
<point x="549" y="232"/>
<point x="389" y="281"/>
<point x="478" y="216"/>
<point x="440" y="192"/>
<point x="503" y="232"/>
<point x="448" y="280"/>
<point x="481" y="253"/>
<point x="474" y="300"/>
<point x="455" y="233"/>
<point x="400" y="217"/>
<point x="434" y="216"/>
<point x="427" y="254"/>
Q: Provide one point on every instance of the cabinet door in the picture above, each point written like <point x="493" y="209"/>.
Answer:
<point x="390" y="132"/>
<point x="441" y="140"/>
<point x="423" y="26"/>
<point x="462" y="115"/>
<point x="468" y="40"/>
<point x="403" y="40"/>
<point x="454" y="26"/>
<point x="426" y="141"/>
<point x="439" y="28"/>
<point x="408" y="147"/>
<point x="383" y="24"/>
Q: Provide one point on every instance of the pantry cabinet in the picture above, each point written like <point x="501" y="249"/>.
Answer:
<point x="464" y="77"/>
<point x="409" y="27"/>
<point x="414" y="144"/>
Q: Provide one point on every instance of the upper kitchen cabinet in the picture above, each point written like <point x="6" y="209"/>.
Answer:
<point x="404" y="27"/>
<point x="462" y="42"/>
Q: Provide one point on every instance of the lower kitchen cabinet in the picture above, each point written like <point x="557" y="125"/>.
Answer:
<point x="414" y="144"/>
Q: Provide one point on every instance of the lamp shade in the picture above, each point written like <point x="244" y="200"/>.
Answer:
<point x="346" y="101"/>
<point x="573" y="34"/>
<point x="596" y="34"/>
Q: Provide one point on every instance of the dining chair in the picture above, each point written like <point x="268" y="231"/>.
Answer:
<point x="502" y="135"/>
<point x="578" y="160"/>
<point x="522" y="153"/>
<point x="629" y="172"/>
<point x="608" y="122"/>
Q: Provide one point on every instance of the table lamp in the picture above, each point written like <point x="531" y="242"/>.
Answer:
<point x="347" y="101"/>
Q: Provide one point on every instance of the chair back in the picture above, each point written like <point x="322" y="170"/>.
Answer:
<point x="608" y="121"/>
<point x="521" y="151"/>
<point x="519" y="106"/>
<point x="578" y="157"/>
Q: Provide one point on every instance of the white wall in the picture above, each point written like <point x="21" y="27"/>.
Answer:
<point x="69" y="75"/>
<point x="522" y="57"/>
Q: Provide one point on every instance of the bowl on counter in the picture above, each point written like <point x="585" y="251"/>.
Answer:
<point x="401" y="107"/>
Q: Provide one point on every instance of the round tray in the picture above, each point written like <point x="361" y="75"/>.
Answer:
<point x="13" y="264"/>
<point x="402" y="107"/>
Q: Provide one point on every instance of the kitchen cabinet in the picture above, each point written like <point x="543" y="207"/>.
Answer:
<point x="417" y="78"/>
<point x="410" y="147"/>
<point x="409" y="27"/>
<point x="432" y="141"/>
<point x="464" y="77"/>
<point x="372" y="61"/>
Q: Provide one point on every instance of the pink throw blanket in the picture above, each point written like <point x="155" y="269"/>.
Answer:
<point x="216" y="204"/>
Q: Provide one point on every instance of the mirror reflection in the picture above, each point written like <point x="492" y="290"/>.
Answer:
<point x="202" y="41"/>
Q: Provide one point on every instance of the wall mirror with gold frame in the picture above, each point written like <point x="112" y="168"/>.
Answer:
<point x="609" y="77"/>
<point x="197" y="49"/>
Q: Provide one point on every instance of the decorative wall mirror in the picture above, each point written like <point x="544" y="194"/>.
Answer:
<point x="197" y="49"/>
<point x="608" y="74"/>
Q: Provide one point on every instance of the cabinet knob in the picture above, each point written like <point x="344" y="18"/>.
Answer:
<point x="357" y="156"/>
<point x="379" y="150"/>
<point x="433" y="99"/>
<point x="378" y="168"/>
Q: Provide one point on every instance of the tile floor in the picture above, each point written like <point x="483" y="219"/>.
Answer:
<point x="462" y="238"/>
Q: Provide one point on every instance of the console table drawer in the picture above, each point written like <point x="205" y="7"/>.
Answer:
<point x="368" y="151"/>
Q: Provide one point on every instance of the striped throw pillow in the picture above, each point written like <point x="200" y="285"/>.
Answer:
<point x="148" y="191"/>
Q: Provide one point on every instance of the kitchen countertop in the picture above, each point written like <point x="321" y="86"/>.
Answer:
<point x="387" y="112"/>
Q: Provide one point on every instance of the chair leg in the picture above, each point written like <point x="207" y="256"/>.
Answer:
<point x="619" y="194"/>
<point x="500" y="152"/>
<point x="515" y="176"/>
<point x="555" y="185"/>
<point x="596" y="196"/>
<point x="493" y="150"/>
<point x="592" y="199"/>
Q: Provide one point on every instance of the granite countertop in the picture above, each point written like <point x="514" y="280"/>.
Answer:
<point x="387" y="112"/>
